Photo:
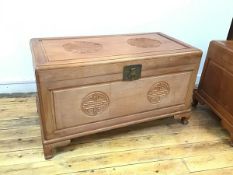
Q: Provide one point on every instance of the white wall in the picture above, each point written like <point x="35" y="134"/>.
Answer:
<point x="193" y="21"/>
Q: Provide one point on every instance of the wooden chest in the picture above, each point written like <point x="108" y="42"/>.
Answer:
<point x="216" y="84"/>
<point x="92" y="84"/>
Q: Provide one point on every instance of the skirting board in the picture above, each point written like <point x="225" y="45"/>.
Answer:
<point x="30" y="86"/>
<point x="17" y="87"/>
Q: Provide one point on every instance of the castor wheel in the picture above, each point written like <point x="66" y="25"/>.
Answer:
<point x="231" y="143"/>
<point x="194" y="103"/>
<point x="184" y="121"/>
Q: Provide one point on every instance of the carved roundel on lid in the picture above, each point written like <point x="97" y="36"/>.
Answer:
<point x="95" y="103"/>
<point x="143" y="42"/>
<point x="157" y="91"/>
<point x="82" y="47"/>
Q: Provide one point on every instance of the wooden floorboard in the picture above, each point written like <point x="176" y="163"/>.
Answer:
<point x="160" y="147"/>
<point x="220" y="171"/>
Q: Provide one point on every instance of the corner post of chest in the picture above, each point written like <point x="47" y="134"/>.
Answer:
<point x="50" y="148"/>
<point x="183" y="117"/>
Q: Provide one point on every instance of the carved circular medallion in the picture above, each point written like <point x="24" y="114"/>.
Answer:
<point x="95" y="103"/>
<point x="82" y="47"/>
<point x="157" y="91"/>
<point x="143" y="42"/>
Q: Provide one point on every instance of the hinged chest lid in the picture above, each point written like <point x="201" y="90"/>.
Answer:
<point x="79" y="51"/>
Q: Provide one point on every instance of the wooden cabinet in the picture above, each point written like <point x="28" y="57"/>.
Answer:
<point x="216" y="84"/>
<point x="91" y="84"/>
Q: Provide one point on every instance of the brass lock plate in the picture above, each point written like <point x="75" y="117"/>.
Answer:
<point x="132" y="72"/>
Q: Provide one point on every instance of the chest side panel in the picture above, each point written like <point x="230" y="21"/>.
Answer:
<point x="217" y="80"/>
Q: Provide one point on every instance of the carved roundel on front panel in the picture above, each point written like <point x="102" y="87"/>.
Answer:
<point x="95" y="103"/>
<point x="82" y="47"/>
<point x="158" y="91"/>
<point x="143" y="42"/>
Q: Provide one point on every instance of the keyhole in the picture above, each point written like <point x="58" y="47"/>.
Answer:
<point x="133" y="73"/>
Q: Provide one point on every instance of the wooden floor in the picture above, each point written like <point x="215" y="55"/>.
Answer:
<point x="161" y="147"/>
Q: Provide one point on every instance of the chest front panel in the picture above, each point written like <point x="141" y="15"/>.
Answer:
<point x="86" y="104"/>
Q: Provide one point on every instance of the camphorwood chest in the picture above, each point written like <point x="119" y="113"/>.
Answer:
<point x="92" y="84"/>
<point x="216" y="85"/>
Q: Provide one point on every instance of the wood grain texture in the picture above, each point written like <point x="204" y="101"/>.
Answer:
<point x="82" y="50"/>
<point x="15" y="108"/>
<point x="221" y="171"/>
<point x="68" y="102"/>
<point x="81" y="89"/>
<point x="216" y="84"/>
<point x="159" y="147"/>
<point x="205" y="162"/>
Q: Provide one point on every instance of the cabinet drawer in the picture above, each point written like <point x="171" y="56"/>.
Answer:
<point x="88" y="104"/>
